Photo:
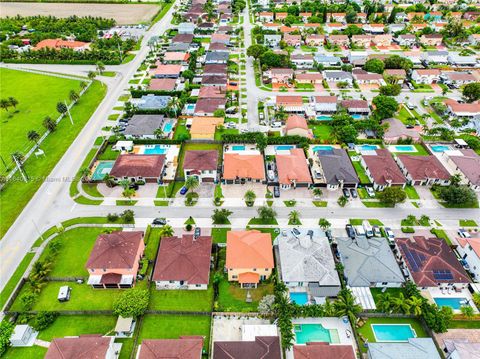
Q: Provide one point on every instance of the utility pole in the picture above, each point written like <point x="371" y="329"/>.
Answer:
<point x="19" y="167"/>
<point x="68" y="111"/>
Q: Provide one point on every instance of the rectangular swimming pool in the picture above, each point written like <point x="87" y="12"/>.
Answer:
<point x="167" y="128"/>
<point x="322" y="148"/>
<point x="402" y="148"/>
<point x="238" y="148"/>
<point x="367" y="147"/>
<point x="103" y="168"/>
<point x="323" y="118"/>
<point x="454" y="303"/>
<point x="440" y="148"/>
<point x="154" y="150"/>
<point x="300" y="298"/>
<point x="283" y="147"/>
<point x="393" y="332"/>
<point x="306" y="333"/>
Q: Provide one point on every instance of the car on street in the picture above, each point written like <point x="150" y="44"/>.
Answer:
<point x="346" y="192"/>
<point x="370" y="191"/>
<point x="463" y="233"/>
<point x="376" y="231"/>
<point x="389" y="233"/>
<point x="159" y="221"/>
<point x="183" y="190"/>
<point x="354" y="193"/>
<point x="276" y="191"/>
<point x="295" y="232"/>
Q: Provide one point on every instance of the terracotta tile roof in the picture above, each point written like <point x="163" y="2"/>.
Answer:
<point x="354" y="104"/>
<point x="212" y="92"/>
<point x="462" y="107"/>
<point x="289" y="101"/>
<point x="59" y="44"/>
<point x="184" y="259"/>
<point x="219" y="38"/>
<point x="84" y="347"/>
<point x="262" y="347"/>
<point x="162" y="84"/>
<point x="314" y="350"/>
<point x="326" y="99"/>
<point x="176" y="56"/>
<point x="248" y="277"/>
<point x="281" y="71"/>
<point x="424" y="167"/>
<point x="131" y="165"/>
<point x="383" y="168"/>
<point x="205" y="126"/>
<point x="293" y="168"/>
<point x="116" y="250"/>
<point x="473" y="242"/>
<point x="309" y="76"/>
<point x="167" y="70"/>
<point x="183" y="348"/>
<point x="296" y="121"/>
<point x="206" y="160"/>
<point x="243" y="166"/>
<point x="215" y="69"/>
<point x="431" y="261"/>
<point x="469" y="164"/>
<point x="396" y="72"/>
<point x="249" y="249"/>
<point x="217" y="46"/>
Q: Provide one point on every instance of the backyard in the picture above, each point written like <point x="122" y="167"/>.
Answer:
<point x="181" y="300"/>
<point x="321" y="131"/>
<point x="231" y="297"/>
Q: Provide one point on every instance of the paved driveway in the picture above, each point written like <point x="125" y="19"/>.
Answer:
<point x="296" y="193"/>
<point x="238" y="190"/>
<point x="206" y="190"/>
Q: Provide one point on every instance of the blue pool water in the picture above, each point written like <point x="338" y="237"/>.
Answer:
<point x="393" y="332"/>
<point x="454" y="303"/>
<point x="167" y="128"/>
<point x="404" y="148"/>
<point x="322" y="148"/>
<point x="367" y="147"/>
<point x="190" y="107"/>
<point x="305" y="333"/>
<point x="103" y="168"/>
<point x="283" y="147"/>
<point x="324" y="118"/>
<point x="238" y="148"/>
<point x="357" y="117"/>
<point x="440" y="148"/>
<point x="301" y="298"/>
<point x="155" y="150"/>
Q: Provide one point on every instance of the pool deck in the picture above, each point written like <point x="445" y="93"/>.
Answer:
<point x="249" y="149"/>
<point x="332" y="323"/>
<point x="435" y="292"/>
<point x="229" y="327"/>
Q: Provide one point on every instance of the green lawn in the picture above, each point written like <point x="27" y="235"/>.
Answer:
<point x="359" y="221"/>
<point x="321" y="131"/>
<point x="440" y="233"/>
<point x="109" y="154"/>
<point x="393" y="292"/>
<point x="181" y="131"/>
<point x="12" y="282"/>
<point x="465" y="324"/>
<point x="76" y="245"/>
<point x="182" y="300"/>
<point x="362" y="175"/>
<point x="72" y="325"/>
<point x="411" y="192"/>
<point x="226" y="131"/>
<point x="258" y="221"/>
<point x="91" y="189"/>
<point x="468" y="223"/>
<point x="16" y="194"/>
<point x="320" y="203"/>
<point x="231" y="297"/>
<point x="174" y="326"/>
<point x="376" y="204"/>
<point x="219" y="235"/>
<point x="152" y="243"/>
<point x="34" y="352"/>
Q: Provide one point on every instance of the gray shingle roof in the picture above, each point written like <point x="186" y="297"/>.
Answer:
<point x="337" y="167"/>
<point x="416" y="348"/>
<point x="140" y="125"/>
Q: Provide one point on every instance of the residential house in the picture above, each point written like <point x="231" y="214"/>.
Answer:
<point x="136" y="167"/>
<point x="214" y="81"/>
<point x="431" y="40"/>
<point x="292" y="40"/>
<point x="338" y="76"/>
<point x="240" y="167"/>
<point x="216" y="57"/>
<point x="114" y="259"/>
<point x="212" y="92"/>
<point x="431" y="262"/>
<point x="183" y="263"/>
<point x="418" y="15"/>
<point x="306" y="264"/>
<point x="302" y="61"/>
<point x="369" y="262"/>
<point x="308" y="77"/>
<point x="363" y="41"/>
<point x="340" y="40"/>
<point x="305" y="16"/>
<point x="436" y="57"/>
<point x="178" y="46"/>
<point x="186" y="347"/>
<point x="327" y="60"/>
<point x="426" y="76"/>
<point x="458" y="348"/>
<point x="87" y="346"/>
<point x="59" y="44"/>
<point x="183" y="38"/>
<point x="337" y="17"/>
<point x="272" y="41"/>
<point x="279" y="16"/>
<point x="215" y="69"/>
<point x="469" y="251"/>
<point x="290" y="103"/>
<point x="456" y="59"/>
<point x="203" y="128"/>
<point x="323" y="350"/>
<point x="151" y="102"/>
<point x="186" y="28"/>
<point x="408" y="40"/>
<point x="249" y="257"/>
<point x="218" y="46"/>
<point x="280" y="75"/>
<point x="398" y="74"/>
<point x="324" y="104"/>
<point x="357" y="58"/>
<point x="292" y="169"/>
<point x="382" y="40"/>
<point x="145" y="127"/>
<point x="466" y="163"/>
<point x="265" y="16"/>
<point x="417" y="28"/>
<point x="374" y="28"/>
<point x="395" y="28"/>
<point x="315" y="40"/>
<point x="467" y="110"/>
<point x="398" y="131"/>
<point x="414" y="56"/>
<point x="359" y="107"/>
<point x="265" y="347"/>
<point x="208" y="106"/>
<point x="297" y="126"/>
<point x="458" y="78"/>
<point x="163" y="84"/>
<point x="220" y="38"/>
<point x="382" y="170"/>
<point x="333" y="169"/>
<point x="412" y="348"/>
<point x="167" y="71"/>
<point x="423" y="170"/>
<point x="363" y="77"/>
<point x="201" y="164"/>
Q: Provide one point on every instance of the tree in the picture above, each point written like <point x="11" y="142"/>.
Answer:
<point x="158" y="132"/>
<point x="471" y="91"/>
<point x="43" y="320"/>
<point x="100" y="67"/>
<point x="437" y="319"/>
<point x="345" y="305"/>
<point x="256" y="51"/>
<point x="415" y="304"/>
<point x="33" y="136"/>
<point x="266" y="305"/>
<point x="457" y="195"/>
<point x="188" y="75"/>
<point x="384" y="303"/>
<point x="390" y="90"/>
<point x="266" y="214"/>
<point x="317" y="192"/>
<point x="13" y="102"/>
<point x="385" y="107"/>
<point x="6" y="330"/>
<point x="392" y="195"/>
<point x="400" y="304"/>
<point x="294" y="217"/>
<point x="467" y="311"/>
<point x="73" y="96"/>
<point x="346" y="134"/>
<point x="128" y="193"/>
<point x="49" y="124"/>
<point x="166" y="231"/>
<point x="374" y="65"/>
<point x="324" y="224"/>
<point x="91" y="75"/>
<point x="342" y="201"/>
<point x="128" y="216"/>
<point x="191" y="183"/>
<point x="261" y="142"/>
<point x="4" y="104"/>
<point x="125" y="183"/>
<point x="250" y="197"/>
<point x="131" y="303"/>
<point x="398" y="62"/>
<point x="62" y="108"/>
<point x="220" y="216"/>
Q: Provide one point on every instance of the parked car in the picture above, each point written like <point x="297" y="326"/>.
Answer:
<point x="389" y="233"/>
<point x="295" y="232"/>
<point x="346" y="192"/>
<point x="350" y="231"/>
<point x="133" y="186"/>
<point x="370" y="191"/>
<point x="463" y="233"/>
<point x="354" y="193"/>
<point x="376" y="231"/>
<point x="276" y="191"/>
<point x="197" y="232"/>
<point x="411" y="106"/>
<point x="183" y="191"/>
<point x="64" y="293"/>
<point x="328" y="233"/>
<point x="159" y="221"/>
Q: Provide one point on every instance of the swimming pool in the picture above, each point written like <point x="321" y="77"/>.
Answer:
<point x="305" y="333"/>
<point x="283" y="147"/>
<point x="190" y="108"/>
<point x="153" y="149"/>
<point x="322" y="148"/>
<point x="323" y="118"/>
<point x="300" y="298"/>
<point x="167" y="128"/>
<point x="103" y="168"/>
<point x="238" y="148"/>
<point x="367" y="147"/>
<point x="440" y="148"/>
<point x="454" y="303"/>
<point x="357" y="117"/>
<point x="402" y="148"/>
<point x="393" y="332"/>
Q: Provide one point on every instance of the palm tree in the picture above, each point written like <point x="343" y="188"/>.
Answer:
<point x="294" y="217"/>
<point x="73" y="96"/>
<point x="62" y="108"/>
<point x="5" y="104"/>
<point x="84" y="172"/>
<point x="250" y="197"/>
<point x="124" y="183"/>
<point x="91" y="75"/>
<point x="83" y="85"/>
<point x="266" y="214"/>
<point x="425" y="219"/>
<point x="384" y="302"/>
<point x="158" y="133"/>
<point x="49" y="124"/>
<point x="467" y="311"/>
<point x="328" y="308"/>
<point x="415" y="305"/>
<point x="317" y="192"/>
<point x="18" y="156"/>
<point x="400" y="304"/>
<point x="100" y="67"/>
<point x="128" y="193"/>
<point x="33" y="136"/>
<point x="345" y="305"/>
<point x="13" y="102"/>
<point x="109" y="180"/>
<point x="166" y="231"/>
<point x="324" y="224"/>
<point x="174" y="105"/>
<point x="191" y="183"/>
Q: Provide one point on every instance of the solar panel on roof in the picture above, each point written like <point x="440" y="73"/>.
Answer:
<point x="442" y="274"/>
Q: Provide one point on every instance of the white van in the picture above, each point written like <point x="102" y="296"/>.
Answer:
<point x="368" y="228"/>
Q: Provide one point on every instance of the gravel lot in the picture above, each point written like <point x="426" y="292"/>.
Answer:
<point x="124" y="14"/>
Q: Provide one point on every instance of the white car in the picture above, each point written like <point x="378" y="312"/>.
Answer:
<point x="370" y="191"/>
<point x="389" y="233"/>
<point x="463" y="233"/>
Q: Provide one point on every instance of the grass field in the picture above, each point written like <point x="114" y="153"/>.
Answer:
<point x="25" y="353"/>
<point x="72" y="325"/>
<point x="16" y="194"/>
<point x="231" y="297"/>
<point x="182" y="300"/>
